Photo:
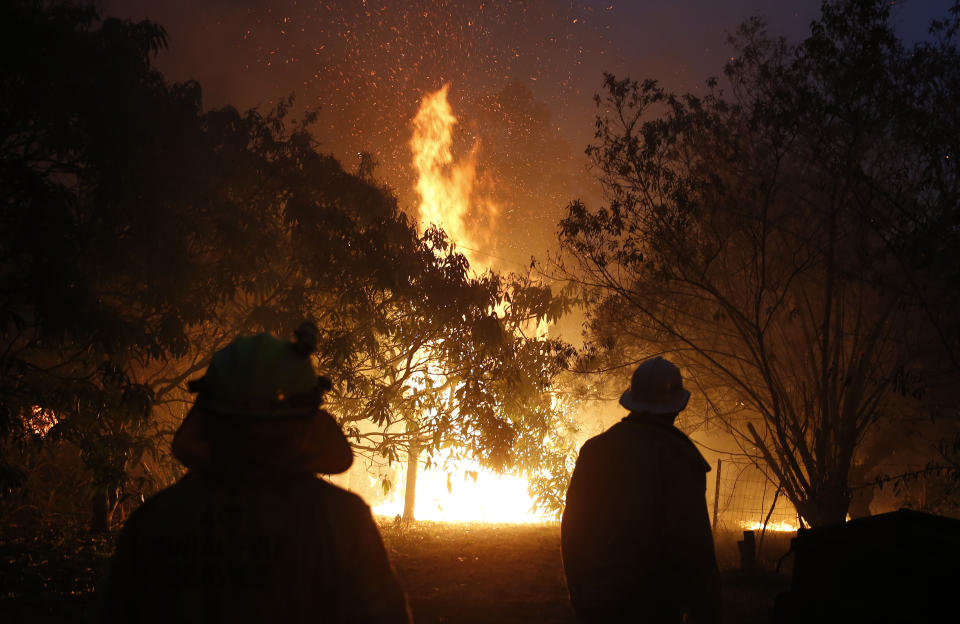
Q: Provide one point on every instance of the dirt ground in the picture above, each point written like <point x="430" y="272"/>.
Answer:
<point x="481" y="573"/>
<point x="478" y="573"/>
<point x="453" y="573"/>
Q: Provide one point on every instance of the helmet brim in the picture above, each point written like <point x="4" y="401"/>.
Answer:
<point x="669" y="406"/>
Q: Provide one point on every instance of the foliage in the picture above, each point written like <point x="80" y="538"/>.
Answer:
<point x="140" y="233"/>
<point x="51" y="574"/>
<point x="86" y="281"/>
<point x="125" y="206"/>
<point x="750" y="237"/>
<point x="447" y="373"/>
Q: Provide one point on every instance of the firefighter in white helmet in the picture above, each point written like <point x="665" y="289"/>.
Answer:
<point x="636" y="539"/>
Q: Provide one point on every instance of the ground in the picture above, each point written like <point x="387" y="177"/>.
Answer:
<point x="453" y="573"/>
<point x="477" y="573"/>
<point x="480" y="573"/>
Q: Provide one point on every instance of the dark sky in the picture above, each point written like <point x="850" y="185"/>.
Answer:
<point x="518" y="70"/>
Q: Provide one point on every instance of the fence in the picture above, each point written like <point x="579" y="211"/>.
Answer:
<point x="743" y="497"/>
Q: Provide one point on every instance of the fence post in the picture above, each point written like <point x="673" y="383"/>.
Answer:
<point x="716" y="494"/>
<point x="748" y="552"/>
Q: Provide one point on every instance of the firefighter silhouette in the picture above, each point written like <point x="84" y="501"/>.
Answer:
<point x="251" y="534"/>
<point x="636" y="538"/>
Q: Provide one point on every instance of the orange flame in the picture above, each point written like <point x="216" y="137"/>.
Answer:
<point x="447" y="188"/>
<point x="449" y="199"/>
<point x="778" y="527"/>
<point x="469" y="494"/>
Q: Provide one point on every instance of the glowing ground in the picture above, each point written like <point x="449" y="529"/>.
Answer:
<point x="473" y="573"/>
<point x="454" y="573"/>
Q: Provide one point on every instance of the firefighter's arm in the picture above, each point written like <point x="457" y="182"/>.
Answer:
<point x="574" y="528"/>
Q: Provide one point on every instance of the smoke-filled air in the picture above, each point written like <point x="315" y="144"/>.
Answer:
<point x="479" y="311"/>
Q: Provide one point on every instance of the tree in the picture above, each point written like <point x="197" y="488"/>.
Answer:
<point x="750" y="239"/>
<point x="446" y="370"/>
<point x="133" y="226"/>
<point x="89" y="247"/>
<point x="139" y="234"/>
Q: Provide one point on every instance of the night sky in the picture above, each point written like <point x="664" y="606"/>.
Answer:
<point x="522" y="77"/>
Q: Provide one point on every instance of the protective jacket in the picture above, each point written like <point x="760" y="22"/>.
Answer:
<point x="250" y="536"/>
<point x="636" y="538"/>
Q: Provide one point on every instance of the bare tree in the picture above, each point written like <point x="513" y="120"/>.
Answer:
<point x="742" y="236"/>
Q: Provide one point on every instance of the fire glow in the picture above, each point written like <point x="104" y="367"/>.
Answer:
<point x="469" y="494"/>
<point x="447" y="188"/>
<point x="448" y="199"/>
<point x="777" y="527"/>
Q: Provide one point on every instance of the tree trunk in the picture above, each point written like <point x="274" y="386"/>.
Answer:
<point x="830" y="507"/>
<point x="860" y="502"/>
<point x="410" y="493"/>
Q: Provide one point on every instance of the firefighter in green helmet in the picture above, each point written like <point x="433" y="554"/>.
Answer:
<point x="251" y="534"/>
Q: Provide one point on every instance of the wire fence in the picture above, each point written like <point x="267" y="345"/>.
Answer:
<point x="744" y="498"/>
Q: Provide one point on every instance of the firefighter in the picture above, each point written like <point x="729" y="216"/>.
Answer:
<point x="635" y="536"/>
<point x="251" y="534"/>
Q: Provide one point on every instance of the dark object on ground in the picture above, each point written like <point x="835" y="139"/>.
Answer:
<point x="748" y="552"/>
<point x="895" y="567"/>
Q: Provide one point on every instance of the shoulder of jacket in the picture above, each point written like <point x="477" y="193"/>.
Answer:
<point x="659" y="440"/>
<point x="154" y="506"/>
<point x="165" y="496"/>
<point x="597" y="445"/>
<point x="621" y="440"/>
<point x="339" y="496"/>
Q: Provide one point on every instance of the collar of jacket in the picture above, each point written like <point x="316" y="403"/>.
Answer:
<point x="214" y="443"/>
<point x="664" y="423"/>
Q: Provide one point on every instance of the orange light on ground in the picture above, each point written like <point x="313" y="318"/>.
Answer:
<point x="778" y="527"/>
<point x="455" y="496"/>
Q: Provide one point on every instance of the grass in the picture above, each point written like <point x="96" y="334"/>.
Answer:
<point x="454" y="574"/>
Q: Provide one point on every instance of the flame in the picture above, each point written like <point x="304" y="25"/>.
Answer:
<point x="447" y="188"/>
<point x="449" y="199"/>
<point x="469" y="494"/>
<point x="778" y="527"/>
<point x="41" y="420"/>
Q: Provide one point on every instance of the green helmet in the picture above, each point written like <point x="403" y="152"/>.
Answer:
<point x="263" y="376"/>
